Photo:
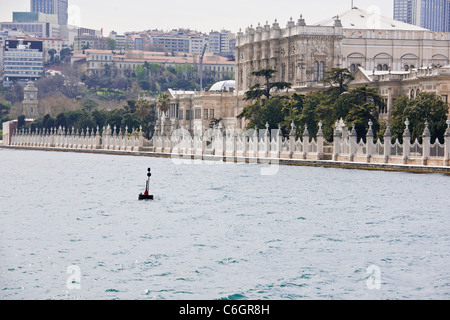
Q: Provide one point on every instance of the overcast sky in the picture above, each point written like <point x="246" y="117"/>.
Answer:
<point x="201" y="15"/>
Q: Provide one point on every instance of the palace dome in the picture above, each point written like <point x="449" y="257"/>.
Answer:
<point x="223" y="86"/>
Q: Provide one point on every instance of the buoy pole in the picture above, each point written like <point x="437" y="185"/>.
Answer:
<point x="147" y="185"/>
<point x="146" y="195"/>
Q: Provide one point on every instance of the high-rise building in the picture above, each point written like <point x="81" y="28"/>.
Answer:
<point x="58" y="7"/>
<point x="429" y="14"/>
<point x="23" y="60"/>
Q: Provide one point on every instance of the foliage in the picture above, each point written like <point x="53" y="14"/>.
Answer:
<point x="425" y="107"/>
<point x="257" y="91"/>
<point x="163" y="102"/>
<point x="133" y="115"/>
<point x="357" y="106"/>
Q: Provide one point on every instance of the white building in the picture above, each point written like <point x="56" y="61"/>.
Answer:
<point x="23" y="61"/>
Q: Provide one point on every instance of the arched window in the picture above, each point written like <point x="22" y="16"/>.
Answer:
<point x="316" y="71"/>
<point x="385" y="67"/>
<point x="411" y="67"/>
<point x="379" y="67"/>
<point x="352" y="68"/>
<point x="406" y="67"/>
<point x="412" y="95"/>
<point x="322" y="70"/>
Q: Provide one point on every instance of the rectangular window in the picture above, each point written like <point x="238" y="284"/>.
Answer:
<point x="211" y="114"/>
<point x="205" y="114"/>
<point x="188" y="114"/>
<point x="198" y="114"/>
<point x="180" y="114"/>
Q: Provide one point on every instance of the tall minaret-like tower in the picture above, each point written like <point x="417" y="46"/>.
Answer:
<point x="30" y="102"/>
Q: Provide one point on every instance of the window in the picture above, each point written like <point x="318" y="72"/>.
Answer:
<point x="316" y="71"/>
<point x="205" y="114"/>
<point x="321" y="70"/>
<point x="188" y="114"/>
<point x="211" y="114"/>
<point x="180" y="114"/>
<point x="198" y="114"/>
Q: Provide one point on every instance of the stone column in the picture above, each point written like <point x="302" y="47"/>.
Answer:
<point x="320" y="141"/>
<point x="406" y="142"/>
<point x="305" y="142"/>
<point x="141" y="139"/>
<point x="279" y="142"/>
<point x="336" y="142"/>
<point x="447" y="145"/>
<point x="255" y="143"/>
<point x="426" y="143"/>
<point x="387" y="143"/>
<point x="292" y="141"/>
<point x="267" y="141"/>
<point x="369" y="142"/>
<point x="353" y="142"/>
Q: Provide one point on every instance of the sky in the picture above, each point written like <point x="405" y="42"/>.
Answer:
<point x="200" y="15"/>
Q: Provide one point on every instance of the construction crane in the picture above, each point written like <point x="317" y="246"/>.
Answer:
<point x="201" y="67"/>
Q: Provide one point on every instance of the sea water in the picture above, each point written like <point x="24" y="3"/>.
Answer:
<point x="71" y="227"/>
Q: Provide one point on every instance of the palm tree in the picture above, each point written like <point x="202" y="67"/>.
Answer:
<point x="163" y="102"/>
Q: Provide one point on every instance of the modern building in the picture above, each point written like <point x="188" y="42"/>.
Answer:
<point x="86" y="41"/>
<point x="23" y="60"/>
<point x="120" y="41"/>
<point x="35" y="17"/>
<point x="430" y="14"/>
<point x="222" y="42"/>
<point x="48" y="44"/>
<point x="39" y="29"/>
<point x="58" y="7"/>
<point x="96" y="60"/>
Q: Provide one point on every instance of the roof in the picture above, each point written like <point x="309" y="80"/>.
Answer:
<point x="360" y="19"/>
<point x="223" y="86"/>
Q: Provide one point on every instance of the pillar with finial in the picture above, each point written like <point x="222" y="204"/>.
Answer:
<point x="406" y="142"/>
<point x="426" y="144"/>
<point x="306" y="142"/>
<point x="387" y="143"/>
<point x="447" y="145"/>
<point x="320" y="142"/>
<point x="353" y="142"/>
<point x="369" y="142"/>
<point x="336" y="141"/>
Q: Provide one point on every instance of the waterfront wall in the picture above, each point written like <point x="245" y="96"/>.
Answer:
<point x="61" y="138"/>
<point x="253" y="144"/>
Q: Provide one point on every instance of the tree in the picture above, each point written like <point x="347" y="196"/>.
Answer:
<point x="339" y="77"/>
<point x="21" y="121"/>
<point x="110" y="44"/>
<point x="145" y="112"/>
<point x="163" y="102"/>
<point x="52" y="53"/>
<point x="65" y="54"/>
<point x="265" y="108"/>
<point x="425" y="107"/>
<point x="257" y="91"/>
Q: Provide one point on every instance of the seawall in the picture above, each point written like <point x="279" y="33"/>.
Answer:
<point x="292" y="162"/>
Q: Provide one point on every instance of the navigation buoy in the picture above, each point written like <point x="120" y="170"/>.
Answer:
<point x="146" y="195"/>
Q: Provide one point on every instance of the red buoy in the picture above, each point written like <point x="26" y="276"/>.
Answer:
<point x="146" y="195"/>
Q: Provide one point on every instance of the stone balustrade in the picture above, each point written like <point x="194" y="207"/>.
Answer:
<point x="262" y="144"/>
<point x="61" y="138"/>
<point x="348" y="149"/>
<point x="254" y="144"/>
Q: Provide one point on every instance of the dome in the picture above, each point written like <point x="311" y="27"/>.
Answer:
<point x="223" y="86"/>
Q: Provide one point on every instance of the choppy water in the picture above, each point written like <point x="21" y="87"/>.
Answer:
<point x="217" y="231"/>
